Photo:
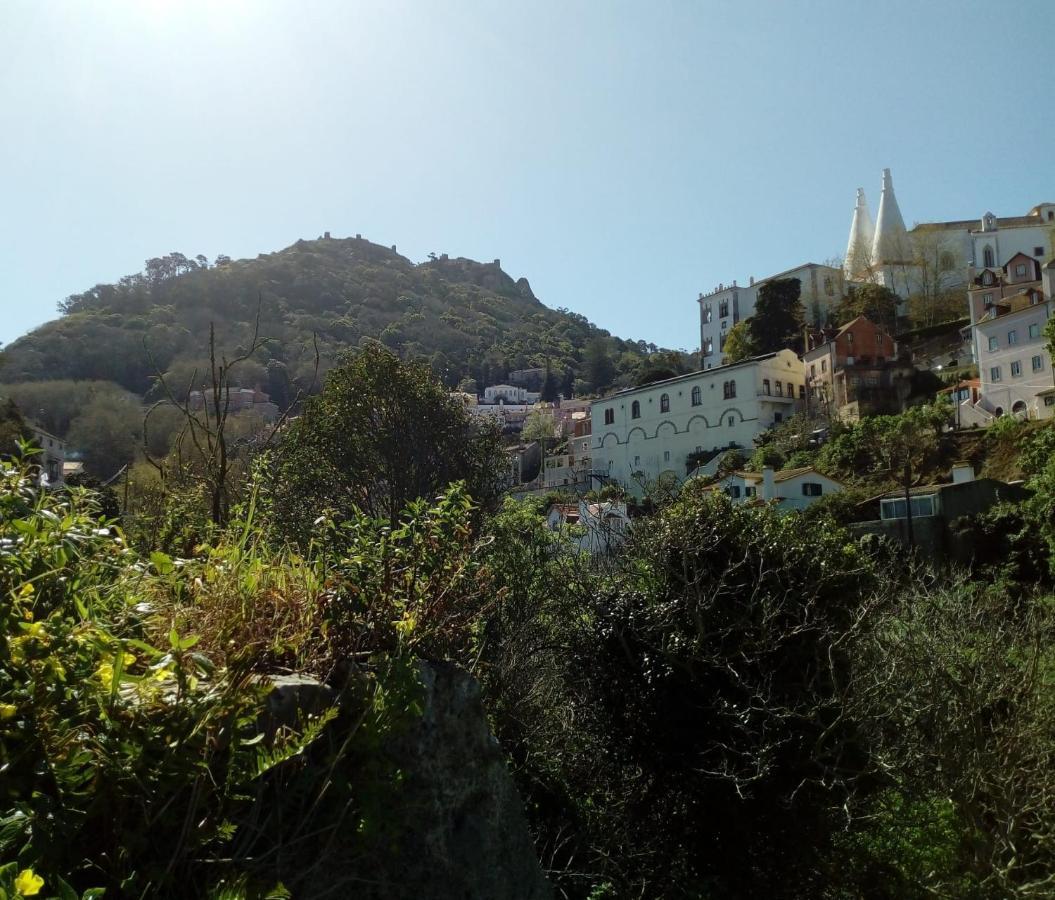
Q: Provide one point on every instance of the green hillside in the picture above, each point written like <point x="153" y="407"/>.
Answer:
<point x="469" y="319"/>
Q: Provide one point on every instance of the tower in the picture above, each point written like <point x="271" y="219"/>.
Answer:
<point x="859" y="248"/>
<point x="890" y="244"/>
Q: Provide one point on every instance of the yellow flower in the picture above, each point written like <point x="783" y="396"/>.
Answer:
<point x="406" y="625"/>
<point x="27" y="590"/>
<point x="7" y="711"/>
<point x="105" y="674"/>
<point x="163" y="675"/>
<point x="28" y="883"/>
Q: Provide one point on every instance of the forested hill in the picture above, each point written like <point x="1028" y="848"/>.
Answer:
<point x="470" y="320"/>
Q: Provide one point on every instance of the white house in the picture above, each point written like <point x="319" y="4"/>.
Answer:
<point x="509" y="393"/>
<point x="52" y="459"/>
<point x="789" y="488"/>
<point x="641" y="434"/>
<point x="820" y="288"/>
<point x="597" y="527"/>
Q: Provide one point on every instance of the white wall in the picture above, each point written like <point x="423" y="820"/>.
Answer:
<point x="658" y="443"/>
<point x="1003" y="394"/>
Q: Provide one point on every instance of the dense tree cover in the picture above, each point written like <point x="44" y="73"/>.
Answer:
<point x="381" y="434"/>
<point x="873" y="301"/>
<point x="739" y="345"/>
<point x="777" y="320"/>
<point x="12" y="427"/>
<point x="468" y="319"/>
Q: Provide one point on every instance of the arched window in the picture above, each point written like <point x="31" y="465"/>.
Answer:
<point x="635" y="410"/>
<point x="988" y="260"/>
<point x="664" y="403"/>
<point x="697" y="396"/>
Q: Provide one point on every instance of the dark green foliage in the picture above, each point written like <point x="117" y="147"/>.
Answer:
<point x="777" y="320"/>
<point x="598" y="368"/>
<point x="708" y="750"/>
<point x="381" y="434"/>
<point x="12" y="428"/>
<point x="875" y="302"/>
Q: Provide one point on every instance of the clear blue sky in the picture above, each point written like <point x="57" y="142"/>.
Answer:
<point x="622" y="156"/>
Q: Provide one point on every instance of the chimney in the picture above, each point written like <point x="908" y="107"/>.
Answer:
<point x="769" y="490"/>
<point x="751" y="281"/>
<point x="962" y="473"/>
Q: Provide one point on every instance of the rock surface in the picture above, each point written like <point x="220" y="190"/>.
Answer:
<point x="460" y="831"/>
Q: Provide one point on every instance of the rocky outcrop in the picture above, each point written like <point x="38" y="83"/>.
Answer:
<point x="456" y="825"/>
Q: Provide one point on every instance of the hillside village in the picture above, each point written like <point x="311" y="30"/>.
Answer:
<point x="982" y="288"/>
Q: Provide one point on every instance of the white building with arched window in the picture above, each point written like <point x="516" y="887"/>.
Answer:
<point x="645" y="433"/>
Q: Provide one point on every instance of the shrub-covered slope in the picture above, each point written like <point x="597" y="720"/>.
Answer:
<point x="470" y="319"/>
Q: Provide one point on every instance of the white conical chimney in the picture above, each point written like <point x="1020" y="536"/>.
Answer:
<point x="891" y="239"/>
<point x="862" y="233"/>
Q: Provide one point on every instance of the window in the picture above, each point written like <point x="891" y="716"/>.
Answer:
<point x="994" y="373"/>
<point x="666" y="456"/>
<point x="729" y="389"/>
<point x="1016" y="369"/>
<point x="734" y="491"/>
<point x="1049" y="400"/>
<point x="802" y="392"/>
<point x="708" y="346"/>
<point x="987" y="299"/>
<point x="1020" y="269"/>
<point x="664" y="403"/>
<point x="780" y="389"/>
<point x="731" y="421"/>
<point x="828" y="287"/>
<point x="813" y="371"/>
<point x="778" y="418"/>
<point x="1038" y="363"/>
<point x="849" y="337"/>
<point x="895" y="508"/>
<point x="637" y="461"/>
<point x="992" y="342"/>
<point x="697" y="396"/>
<point x="609" y="417"/>
<point x="811" y="489"/>
<point x="824" y="365"/>
<point x="765" y="386"/>
<point x="987" y="257"/>
<point x="707" y="313"/>
<point x="1012" y="336"/>
<point x="1034" y="330"/>
<point x="723" y="309"/>
<point x="635" y="410"/>
<point x="750" y="492"/>
<point x="1038" y="251"/>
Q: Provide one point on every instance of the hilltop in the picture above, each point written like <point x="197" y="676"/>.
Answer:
<point x="471" y="320"/>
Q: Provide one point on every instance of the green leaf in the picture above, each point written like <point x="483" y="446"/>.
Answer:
<point x="162" y="562"/>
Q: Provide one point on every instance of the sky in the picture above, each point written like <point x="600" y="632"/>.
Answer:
<point x="622" y="156"/>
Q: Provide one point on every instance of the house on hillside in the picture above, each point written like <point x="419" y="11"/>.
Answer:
<point x="933" y="508"/>
<point x="595" y="527"/>
<point x="855" y="371"/>
<point x="788" y="489"/>
<point x="509" y="393"/>
<point x="646" y="434"/>
<point x="1010" y="308"/>
<point x="50" y="462"/>
<point x="524" y="461"/>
